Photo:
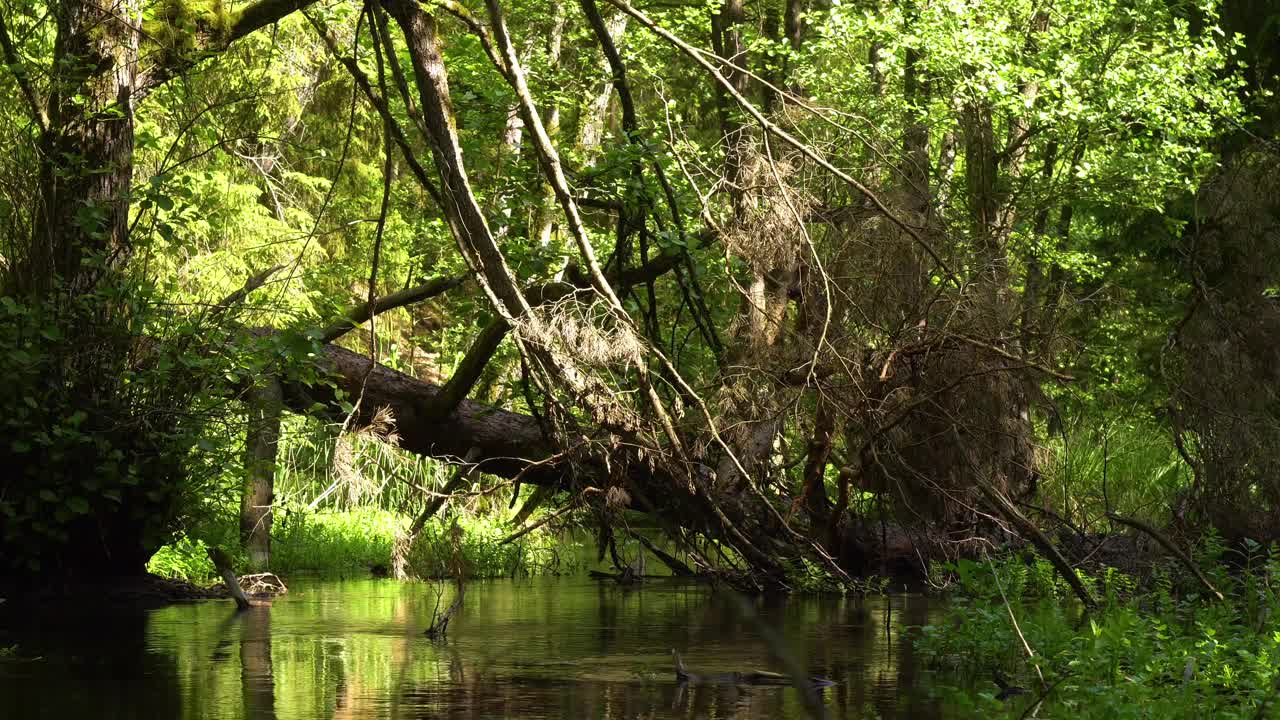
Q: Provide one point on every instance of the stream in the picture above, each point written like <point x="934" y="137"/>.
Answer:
<point x="525" y="648"/>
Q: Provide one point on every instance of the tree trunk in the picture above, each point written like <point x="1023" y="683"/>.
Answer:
<point x="592" y="126"/>
<point x="87" y="150"/>
<point x="262" y="437"/>
<point x="814" y="492"/>
<point x="506" y="443"/>
<point x="727" y="33"/>
<point x="546" y="210"/>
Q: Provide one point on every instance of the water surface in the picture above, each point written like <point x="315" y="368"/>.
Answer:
<point x="541" y="648"/>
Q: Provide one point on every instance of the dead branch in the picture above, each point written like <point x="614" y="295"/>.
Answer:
<point x="254" y="282"/>
<point x="573" y="504"/>
<point x="361" y="313"/>
<point x="403" y="543"/>
<point x="679" y="569"/>
<point x="1040" y="540"/>
<point x="222" y="563"/>
<point x="1169" y="545"/>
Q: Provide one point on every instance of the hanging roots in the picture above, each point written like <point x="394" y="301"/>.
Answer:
<point x="583" y="334"/>
<point x="348" y="469"/>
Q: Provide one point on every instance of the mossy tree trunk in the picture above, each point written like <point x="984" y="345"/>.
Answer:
<point x="87" y="144"/>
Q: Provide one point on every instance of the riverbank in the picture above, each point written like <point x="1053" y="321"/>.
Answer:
<point x="145" y="591"/>
<point x="1157" y="646"/>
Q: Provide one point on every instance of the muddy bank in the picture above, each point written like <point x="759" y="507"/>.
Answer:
<point x="144" y="591"/>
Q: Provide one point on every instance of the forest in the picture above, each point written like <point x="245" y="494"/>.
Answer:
<point x="967" y="300"/>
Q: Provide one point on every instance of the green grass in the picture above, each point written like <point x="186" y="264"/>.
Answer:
<point x="1133" y="466"/>
<point x="333" y="543"/>
<point x="352" y="542"/>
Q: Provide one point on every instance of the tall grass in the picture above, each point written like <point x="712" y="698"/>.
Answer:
<point x="359" y="540"/>
<point x="1130" y="467"/>
<point x="340" y="502"/>
<point x="322" y="469"/>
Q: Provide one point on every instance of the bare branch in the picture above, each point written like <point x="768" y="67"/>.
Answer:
<point x="361" y="313"/>
<point x="254" y="282"/>
<point x="1169" y="545"/>
<point x="1041" y="540"/>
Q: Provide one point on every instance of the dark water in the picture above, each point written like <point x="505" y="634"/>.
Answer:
<point x="553" y="648"/>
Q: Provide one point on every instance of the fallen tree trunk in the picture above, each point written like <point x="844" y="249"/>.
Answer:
<point x="506" y="443"/>
<point x="511" y="445"/>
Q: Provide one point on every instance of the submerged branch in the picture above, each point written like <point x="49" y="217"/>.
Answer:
<point x="222" y="563"/>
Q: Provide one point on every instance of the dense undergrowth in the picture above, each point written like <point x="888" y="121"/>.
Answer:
<point x="1159" y="646"/>
<point x="358" y="541"/>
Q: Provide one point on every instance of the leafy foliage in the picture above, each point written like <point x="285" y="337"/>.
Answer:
<point x="1167" y="651"/>
<point x="121" y="427"/>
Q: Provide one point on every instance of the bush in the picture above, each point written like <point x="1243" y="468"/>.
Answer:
<point x="105" y="410"/>
<point x="183" y="559"/>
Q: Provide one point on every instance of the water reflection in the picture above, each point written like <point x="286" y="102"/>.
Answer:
<point x="74" y="665"/>
<point x="519" y="649"/>
<point x="257" y="682"/>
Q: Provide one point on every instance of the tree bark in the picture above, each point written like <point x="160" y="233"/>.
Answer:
<point x="506" y="443"/>
<point x="262" y="439"/>
<point x="87" y="152"/>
